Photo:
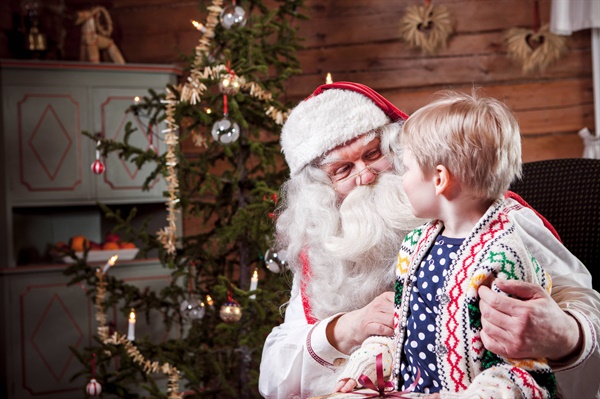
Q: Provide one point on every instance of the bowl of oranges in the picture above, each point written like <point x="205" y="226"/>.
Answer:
<point x="97" y="252"/>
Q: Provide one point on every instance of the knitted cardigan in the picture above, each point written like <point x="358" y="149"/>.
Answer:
<point x="492" y="250"/>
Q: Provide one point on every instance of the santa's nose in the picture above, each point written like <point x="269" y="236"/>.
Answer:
<point x="365" y="177"/>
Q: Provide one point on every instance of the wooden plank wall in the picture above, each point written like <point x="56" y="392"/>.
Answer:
<point x="359" y="40"/>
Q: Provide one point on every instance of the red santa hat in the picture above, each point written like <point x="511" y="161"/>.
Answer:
<point x="333" y="115"/>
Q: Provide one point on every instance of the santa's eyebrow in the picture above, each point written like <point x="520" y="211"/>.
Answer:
<point x="333" y="158"/>
<point x="330" y="159"/>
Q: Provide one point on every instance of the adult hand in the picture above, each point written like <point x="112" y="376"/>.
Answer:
<point x="528" y="325"/>
<point x="352" y="328"/>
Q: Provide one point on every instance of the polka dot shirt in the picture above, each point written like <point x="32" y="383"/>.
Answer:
<point x="419" y="346"/>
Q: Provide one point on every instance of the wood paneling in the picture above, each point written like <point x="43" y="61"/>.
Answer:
<point x="359" y="40"/>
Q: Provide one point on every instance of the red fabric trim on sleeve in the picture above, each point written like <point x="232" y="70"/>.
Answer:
<point x="517" y="197"/>
<point x="306" y="275"/>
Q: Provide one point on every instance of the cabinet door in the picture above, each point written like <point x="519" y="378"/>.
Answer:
<point x="44" y="317"/>
<point x="122" y="180"/>
<point x="45" y="156"/>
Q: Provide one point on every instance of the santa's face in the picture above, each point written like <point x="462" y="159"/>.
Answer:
<point x="354" y="164"/>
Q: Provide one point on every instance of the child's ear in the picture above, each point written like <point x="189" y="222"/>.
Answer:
<point x="443" y="179"/>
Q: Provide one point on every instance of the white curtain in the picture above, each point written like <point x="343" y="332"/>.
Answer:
<point x="566" y="17"/>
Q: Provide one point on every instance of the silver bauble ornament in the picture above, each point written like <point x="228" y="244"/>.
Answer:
<point x="276" y="260"/>
<point x="225" y="131"/>
<point x="193" y="308"/>
<point x="231" y="312"/>
<point x="233" y="17"/>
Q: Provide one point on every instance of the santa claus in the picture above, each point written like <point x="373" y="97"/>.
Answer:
<point x="342" y="219"/>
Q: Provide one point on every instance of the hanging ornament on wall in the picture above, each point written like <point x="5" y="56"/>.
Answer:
<point x="233" y="16"/>
<point x="276" y="261"/>
<point x="535" y="49"/>
<point x="97" y="166"/>
<point x="93" y="387"/>
<point x="426" y="27"/>
<point x="225" y="131"/>
<point x="231" y="311"/>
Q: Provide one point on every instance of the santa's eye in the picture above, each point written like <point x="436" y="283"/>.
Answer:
<point x="342" y="171"/>
<point x="372" y="155"/>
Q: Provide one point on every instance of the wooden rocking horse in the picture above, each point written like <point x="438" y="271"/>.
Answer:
<point x="96" y="28"/>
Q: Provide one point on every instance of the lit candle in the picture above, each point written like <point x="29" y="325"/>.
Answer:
<point x="328" y="79"/>
<point x="254" y="283"/>
<point x="210" y="301"/>
<point x="131" y="327"/>
<point x="136" y="99"/>
<point x="110" y="262"/>
<point x="199" y="26"/>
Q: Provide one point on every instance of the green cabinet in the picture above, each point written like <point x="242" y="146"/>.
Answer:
<point x="47" y="161"/>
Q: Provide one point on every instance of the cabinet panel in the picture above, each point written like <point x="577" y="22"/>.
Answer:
<point x="46" y="162"/>
<point x="122" y="180"/>
<point x="46" y="106"/>
<point x="44" y="147"/>
<point x="43" y="317"/>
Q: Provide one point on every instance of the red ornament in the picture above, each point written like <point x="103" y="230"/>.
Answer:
<point x="93" y="388"/>
<point x="98" y="167"/>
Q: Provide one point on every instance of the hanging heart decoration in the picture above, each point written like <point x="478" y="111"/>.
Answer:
<point x="426" y="27"/>
<point x="534" y="50"/>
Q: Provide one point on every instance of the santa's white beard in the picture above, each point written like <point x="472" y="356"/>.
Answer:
<point x="352" y="248"/>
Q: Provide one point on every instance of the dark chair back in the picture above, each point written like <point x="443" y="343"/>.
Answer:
<point x="567" y="193"/>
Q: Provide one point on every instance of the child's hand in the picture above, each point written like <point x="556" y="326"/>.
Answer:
<point x="346" y="385"/>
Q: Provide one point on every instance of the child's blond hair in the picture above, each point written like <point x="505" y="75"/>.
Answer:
<point x="476" y="138"/>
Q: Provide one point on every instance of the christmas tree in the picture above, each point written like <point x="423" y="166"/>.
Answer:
<point x="230" y="106"/>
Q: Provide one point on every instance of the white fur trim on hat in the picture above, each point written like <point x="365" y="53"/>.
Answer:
<point x="322" y="122"/>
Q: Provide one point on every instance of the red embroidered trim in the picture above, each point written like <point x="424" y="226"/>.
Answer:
<point x="312" y="353"/>
<point x="517" y="197"/>
<point x="526" y="378"/>
<point x="452" y="341"/>
<point x="306" y="275"/>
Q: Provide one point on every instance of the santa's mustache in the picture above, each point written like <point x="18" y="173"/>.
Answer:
<point x="372" y="216"/>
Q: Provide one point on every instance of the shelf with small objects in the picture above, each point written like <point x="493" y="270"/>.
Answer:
<point x="54" y="175"/>
<point x="63" y="202"/>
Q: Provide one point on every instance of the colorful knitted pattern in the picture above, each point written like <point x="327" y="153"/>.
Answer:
<point x="493" y="250"/>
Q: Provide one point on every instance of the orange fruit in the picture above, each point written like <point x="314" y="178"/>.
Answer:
<point x="78" y="243"/>
<point x="127" y="245"/>
<point x="110" y="245"/>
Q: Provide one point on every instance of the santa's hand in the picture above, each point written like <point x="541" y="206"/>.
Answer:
<point x="351" y="329"/>
<point x="529" y="325"/>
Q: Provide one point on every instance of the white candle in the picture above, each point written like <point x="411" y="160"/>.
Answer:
<point x="328" y="79"/>
<point x="254" y="283"/>
<point x="110" y="262"/>
<point x="199" y="26"/>
<point x="131" y="327"/>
